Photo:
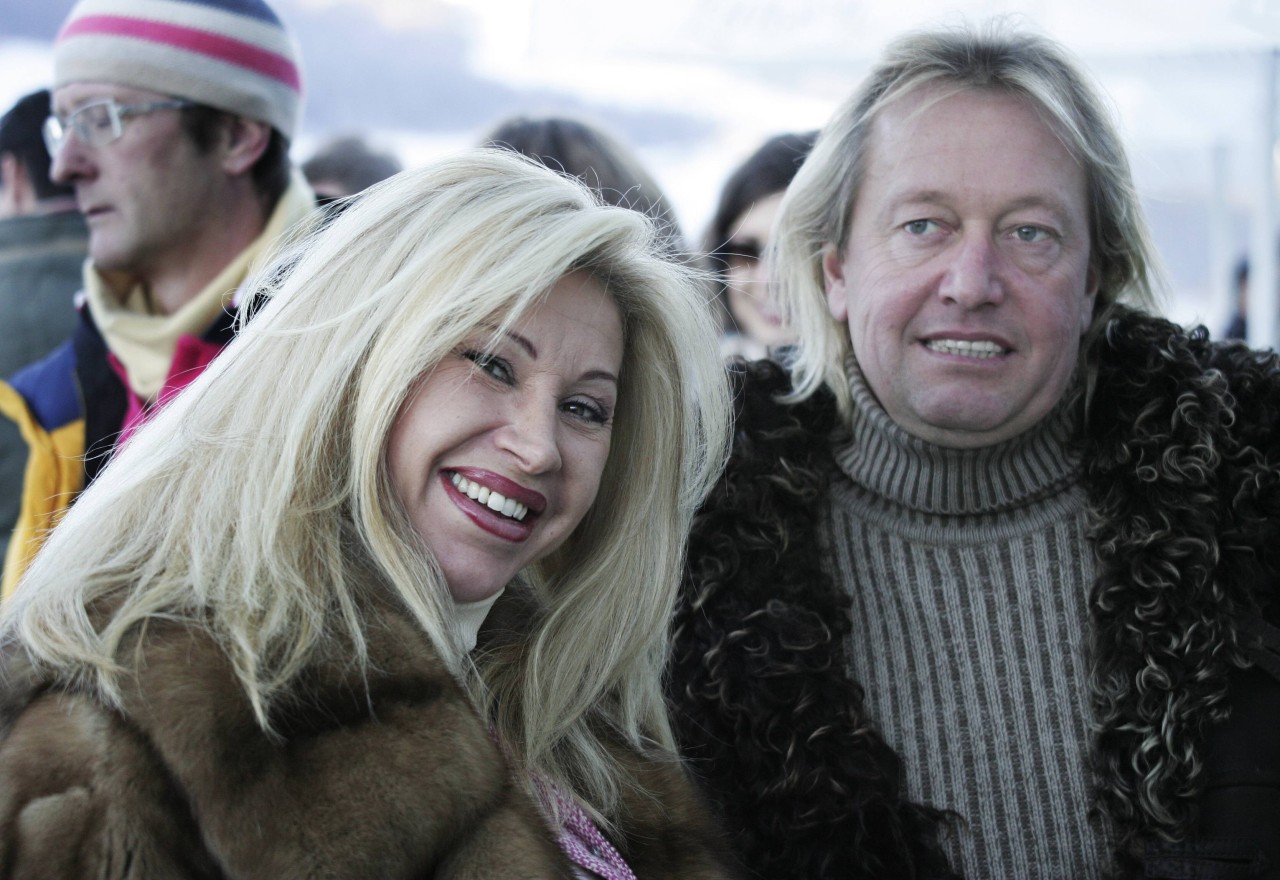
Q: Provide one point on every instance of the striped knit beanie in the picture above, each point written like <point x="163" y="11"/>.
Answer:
<point x="234" y="55"/>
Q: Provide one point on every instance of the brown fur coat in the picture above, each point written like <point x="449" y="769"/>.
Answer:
<point x="389" y="774"/>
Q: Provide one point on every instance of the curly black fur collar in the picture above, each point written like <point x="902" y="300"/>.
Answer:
<point x="1181" y="461"/>
<point x="1181" y="473"/>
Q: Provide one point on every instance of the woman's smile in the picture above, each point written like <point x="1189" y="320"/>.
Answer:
<point x="492" y="502"/>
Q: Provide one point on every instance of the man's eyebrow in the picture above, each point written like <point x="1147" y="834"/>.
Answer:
<point x="917" y="195"/>
<point x="1036" y="200"/>
<point x="1031" y="200"/>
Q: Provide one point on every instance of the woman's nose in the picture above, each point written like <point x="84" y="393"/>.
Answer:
<point x="531" y="434"/>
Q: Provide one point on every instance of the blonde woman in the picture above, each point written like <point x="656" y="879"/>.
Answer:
<point x="477" y="409"/>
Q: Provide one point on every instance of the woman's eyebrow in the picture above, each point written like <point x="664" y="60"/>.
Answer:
<point x="602" y="375"/>
<point x="523" y="343"/>
<point x="532" y="349"/>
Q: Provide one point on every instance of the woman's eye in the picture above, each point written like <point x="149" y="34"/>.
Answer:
<point x="587" y="411"/>
<point x="492" y="365"/>
<point x="918" y="227"/>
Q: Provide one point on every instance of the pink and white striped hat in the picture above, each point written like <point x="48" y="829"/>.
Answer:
<point x="234" y="55"/>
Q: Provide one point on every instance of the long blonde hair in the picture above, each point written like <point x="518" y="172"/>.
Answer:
<point x="246" y="506"/>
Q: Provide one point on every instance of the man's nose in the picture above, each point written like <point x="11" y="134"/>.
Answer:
<point x="972" y="276"/>
<point x="70" y="161"/>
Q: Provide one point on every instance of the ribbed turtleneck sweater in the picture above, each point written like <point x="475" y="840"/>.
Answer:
<point x="969" y="573"/>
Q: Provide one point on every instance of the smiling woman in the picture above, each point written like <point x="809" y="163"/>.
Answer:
<point x="386" y="591"/>
<point x="499" y="452"/>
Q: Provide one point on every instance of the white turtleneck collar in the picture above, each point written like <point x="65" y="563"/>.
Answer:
<point x="471" y="616"/>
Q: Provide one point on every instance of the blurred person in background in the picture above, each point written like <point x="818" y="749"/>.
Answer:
<point x="42" y="240"/>
<point x="990" y="585"/>
<point x="42" y="247"/>
<point x="367" y="599"/>
<point x="1238" y="324"/>
<point x="738" y="237"/>
<point x="345" y="166"/>
<point x="171" y="120"/>
<point x="594" y="156"/>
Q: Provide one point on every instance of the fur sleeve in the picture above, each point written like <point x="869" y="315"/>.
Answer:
<point x="670" y="833"/>
<point x="81" y="793"/>
<point x="390" y="777"/>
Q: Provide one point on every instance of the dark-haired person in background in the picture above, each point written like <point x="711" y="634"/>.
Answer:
<point x="42" y="247"/>
<point x="597" y="158"/>
<point x="183" y="190"/>
<point x="345" y="166"/>
<point x="1238" y="324"/>
<point x="737" y="238"/>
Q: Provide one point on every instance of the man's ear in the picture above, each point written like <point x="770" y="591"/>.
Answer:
<point x="833" y="276"/>
<point x="245" y="140"/>
<point x="17" y="194"/>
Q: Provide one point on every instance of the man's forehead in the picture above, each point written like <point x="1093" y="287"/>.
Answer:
<point x="934" y="145"/>
<point x="907" y="121"/>
<point x="904" y="111"/>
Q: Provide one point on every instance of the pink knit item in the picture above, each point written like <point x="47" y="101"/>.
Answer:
<point x="580" y="839"/>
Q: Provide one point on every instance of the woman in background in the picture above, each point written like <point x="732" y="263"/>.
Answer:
<point x="751" y="323"/>
<point x="478" y="409"/>
<point x="597" y="158"/>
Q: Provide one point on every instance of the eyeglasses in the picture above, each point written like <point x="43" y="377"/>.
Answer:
<point x="748" y="251"/>
<point x="98" y="123"/>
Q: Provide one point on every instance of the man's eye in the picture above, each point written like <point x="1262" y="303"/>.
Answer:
<point x="1030" y="233"/>
<point x="94" y="117"/>
<point x="496" y="367"/>
<point x="918" y="227"/>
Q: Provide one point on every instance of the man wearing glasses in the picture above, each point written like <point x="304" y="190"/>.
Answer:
<point x="171" y="119"/>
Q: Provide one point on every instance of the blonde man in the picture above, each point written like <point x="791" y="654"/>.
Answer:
<point x="986" y="588"/>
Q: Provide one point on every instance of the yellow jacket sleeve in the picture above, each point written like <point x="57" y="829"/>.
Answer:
<point x="54" y="476"/>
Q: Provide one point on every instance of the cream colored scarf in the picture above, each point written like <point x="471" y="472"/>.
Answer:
<point x="145" y="342"/>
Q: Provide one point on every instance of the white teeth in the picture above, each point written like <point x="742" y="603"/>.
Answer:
<point x="489" y="498"/>
<point x="981" y="349"/>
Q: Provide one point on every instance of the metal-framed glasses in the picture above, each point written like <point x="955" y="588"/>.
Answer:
<point x="100" y="122"/>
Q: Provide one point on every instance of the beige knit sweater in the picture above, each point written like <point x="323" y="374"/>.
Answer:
<point x="969" y="572"/>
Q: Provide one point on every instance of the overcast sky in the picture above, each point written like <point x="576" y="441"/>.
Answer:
<point x="695" y="85"/>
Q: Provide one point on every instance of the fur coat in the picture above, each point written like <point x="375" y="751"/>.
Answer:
<point x="1182" y="473"/>
<point x="389" y="774"/>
